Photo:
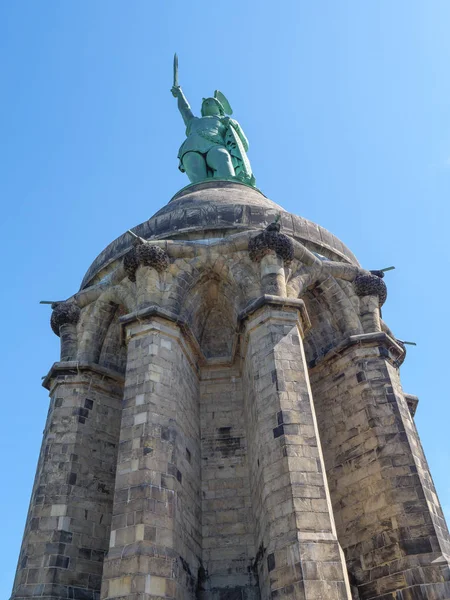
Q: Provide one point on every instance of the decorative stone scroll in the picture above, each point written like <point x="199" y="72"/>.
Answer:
<point x="64" y="313"/>
<point x="271" y="240"/>
<point x="371" y="285"/>
<point x="145" y="254"/>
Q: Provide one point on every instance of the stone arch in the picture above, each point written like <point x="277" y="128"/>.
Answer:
<point x="113" y="353"/>
<point x="236" y="269"/>
<point x="216" y="325"/>
<point x="319" y="338"/>
<point x="333" y="317"/>
<point x="246" y="276"/>
<point x="210" y="304"/>
<point x="99" y="332"/>
<point x="94" y="326"/>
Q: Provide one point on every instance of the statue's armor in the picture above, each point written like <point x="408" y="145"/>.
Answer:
<point x="203" y="133"/>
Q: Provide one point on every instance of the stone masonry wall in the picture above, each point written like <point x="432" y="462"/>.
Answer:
<point x="298" y="555"/>
<point x="227" y="518"/>
<point x="155" y="546"/>
<point x="388" y="518"/>
<point x="67" y="530"/>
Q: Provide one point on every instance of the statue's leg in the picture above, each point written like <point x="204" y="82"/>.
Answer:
<point x="195" y="166"/>
<point x="219" y="160"/>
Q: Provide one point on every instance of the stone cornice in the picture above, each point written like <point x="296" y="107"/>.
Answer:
<point x="73" y="367"/>
<point x="278" y="302"/>
<point x="412" y="402"/>
<point x="275" y="306"/>
<point x="365" y="339"/>
<point x="145" y="314"/>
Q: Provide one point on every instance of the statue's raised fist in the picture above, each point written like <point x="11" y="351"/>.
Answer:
<point x="175" y="91"/>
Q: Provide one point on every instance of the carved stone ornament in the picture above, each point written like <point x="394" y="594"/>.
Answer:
<point x="63" y="313"/>
<point x="145" y="254"/>
<point x="371" y="285"/>
<point x="271" y="239"/>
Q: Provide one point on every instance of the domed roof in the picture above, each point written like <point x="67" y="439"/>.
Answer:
<point x="214" y="209"/>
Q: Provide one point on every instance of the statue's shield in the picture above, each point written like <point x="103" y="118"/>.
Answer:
<point x="239" y="158"/>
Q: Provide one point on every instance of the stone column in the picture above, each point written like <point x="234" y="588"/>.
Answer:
<point x="298" y="553"/>
<point x="144" y="264"/>
<point x="274" y="251"/>
<point x="67" y="528"/>
<point x="64" y="321"/>
<point x="388" y="518"/>
<point x="369" y="311"/>
<point x="372" y="293"/>
<point x="155" y="544"/>
<point x="273" y="280"/>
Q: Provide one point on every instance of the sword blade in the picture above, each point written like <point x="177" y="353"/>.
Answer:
<point x="175" y="70"/>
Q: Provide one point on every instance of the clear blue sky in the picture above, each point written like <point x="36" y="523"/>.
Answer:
<point x="345" y="104"/>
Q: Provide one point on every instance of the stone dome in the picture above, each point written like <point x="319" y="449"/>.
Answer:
<point x="214" y="209"/>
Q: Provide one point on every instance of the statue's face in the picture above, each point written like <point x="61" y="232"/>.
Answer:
<point x="210" y="107"/>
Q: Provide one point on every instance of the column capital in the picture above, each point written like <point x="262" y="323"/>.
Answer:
<point x="296" y="306"/>
<point x="371" y="285"/>
<point x="146" y="254"/>
<point x="144" y="314"/>
<point x="140" y="321"/>
<point x="64" y="313"/>
<point x="271" y="240"/>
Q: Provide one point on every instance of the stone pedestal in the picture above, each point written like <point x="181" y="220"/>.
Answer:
<point x="67" y="529"/>
<point x="298" y="552"/>
<point x="388" y="517"/>
<point x="201" y="472"/>
<point x="155" y="544"/>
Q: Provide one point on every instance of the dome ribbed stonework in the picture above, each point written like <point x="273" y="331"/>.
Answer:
<point x="216" y="209"/>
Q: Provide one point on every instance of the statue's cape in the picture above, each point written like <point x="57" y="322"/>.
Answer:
<point x="239" y="158"/>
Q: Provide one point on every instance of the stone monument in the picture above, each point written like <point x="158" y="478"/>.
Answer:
<point x="226" y="419"/>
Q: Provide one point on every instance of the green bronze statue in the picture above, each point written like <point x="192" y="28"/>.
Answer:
<point x="215" y="145"/>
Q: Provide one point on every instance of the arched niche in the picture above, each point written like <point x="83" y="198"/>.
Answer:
<point x="211" y="308"/>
